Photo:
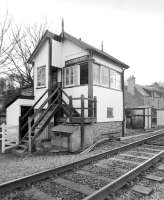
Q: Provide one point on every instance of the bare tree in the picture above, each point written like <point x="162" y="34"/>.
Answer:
<point x="24" y="40"/>
<point x="6" y="46"/>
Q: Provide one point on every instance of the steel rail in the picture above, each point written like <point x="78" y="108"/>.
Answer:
<point x="20" y="182"/>
<point x="112" y="187"/>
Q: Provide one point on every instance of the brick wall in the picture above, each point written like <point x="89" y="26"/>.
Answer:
<point x="102" y="129"/>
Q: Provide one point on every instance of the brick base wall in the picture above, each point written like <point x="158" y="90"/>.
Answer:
<point x="102" y="129"/>
<point x="93" y="133"/>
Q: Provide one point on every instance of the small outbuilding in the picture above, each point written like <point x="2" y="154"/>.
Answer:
<point x="160" y="117"/>
<point x="139" y="117"/>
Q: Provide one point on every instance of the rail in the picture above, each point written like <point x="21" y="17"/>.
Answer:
<point x="20" y="182"/>
<point x="121" y="181"/>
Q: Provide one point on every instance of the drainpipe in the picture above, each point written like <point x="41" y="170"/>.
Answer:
<point x="123" y="94"/>
<point x="49" y="64"/>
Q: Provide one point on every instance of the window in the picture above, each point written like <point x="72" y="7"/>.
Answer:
<point x="83" y="73"/>
<point x="96" y="74"/>
<point x="115" y="80"/>
<point x="104" y="76"/>
<point x="100" y="75"/>
<point x="109" y="112"/>
<point x="41" y="76"/>
<point x="71" y="75"/>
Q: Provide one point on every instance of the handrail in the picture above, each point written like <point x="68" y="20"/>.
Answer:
<point x="85" y="98"/>
<point x="26" y="114"/>
<point x="91" y="99"/>
<point x="46" y="111"/>
<point x="24" y="125"/>
<point x="41" y="117"/>
<point x="46" y="122"/>
<point x="44" y="103"/>
<point x="65" y="93"/>
<point x="93" y="108"/>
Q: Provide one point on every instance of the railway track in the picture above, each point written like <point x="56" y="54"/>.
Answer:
<point x="92" y="178"/>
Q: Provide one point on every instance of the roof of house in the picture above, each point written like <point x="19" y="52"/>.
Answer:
<point x="24" y="93"/>
<point x="137" y="99"/>
<point x="146" y="90"/>
<point x="141" y="90"/>
<point x="78" y="42"/>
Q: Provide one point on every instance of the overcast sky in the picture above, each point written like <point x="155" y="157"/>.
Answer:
<point x="132" y="30"/>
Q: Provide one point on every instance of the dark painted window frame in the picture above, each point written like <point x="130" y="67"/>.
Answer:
<point x="63" y="79"/>
<point x="108" y="87"/>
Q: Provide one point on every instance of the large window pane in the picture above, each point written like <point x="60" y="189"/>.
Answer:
<point x="112" y="79"/>
<point x="96" y="74"/>
<point x="71" y="75"/>
<point x="84" y="73"/>
<point x="115" y="80"/>
<point x="104" y="74"/>
<point x="67" y="76"/>
<point x="76" y="74"/>
<point x="41" y="76"/>
<point x="118" y="81"/>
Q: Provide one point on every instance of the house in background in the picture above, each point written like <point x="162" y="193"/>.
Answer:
<point x="138" y="97"/>
<point x="78" y="95"/>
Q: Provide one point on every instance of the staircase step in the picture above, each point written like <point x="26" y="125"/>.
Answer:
<point x="64" y="128"/>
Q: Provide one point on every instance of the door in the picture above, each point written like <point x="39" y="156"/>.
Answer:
<point x="53" y="77"/>
<point x="54" y="81"/>
<point x="23" y="131"/>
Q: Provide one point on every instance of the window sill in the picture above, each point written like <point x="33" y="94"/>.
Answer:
<point x="107" y="87"/>
<point x="40" y="87"/>
<point x="65" y="87"/>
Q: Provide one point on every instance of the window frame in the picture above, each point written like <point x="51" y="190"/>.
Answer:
<point x="41" y="77"/>
<point x="82" y="82"/>
<point x="96" y="83"/>
<point x="101" y="72"/>
<point x="115" y="80"/>
<point x="109" y="82"/>
<point x="71" y="75"/>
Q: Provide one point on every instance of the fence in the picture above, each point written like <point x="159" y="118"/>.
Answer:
<point x="2" y="118"/>
<point x="9" y="137"/>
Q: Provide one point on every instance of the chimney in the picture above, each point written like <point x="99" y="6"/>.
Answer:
<point x="131" y="85"/>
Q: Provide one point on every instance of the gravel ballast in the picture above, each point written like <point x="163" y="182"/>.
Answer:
<point x="12" y="167"/>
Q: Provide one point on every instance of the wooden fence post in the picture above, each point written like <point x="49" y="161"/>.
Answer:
<point x="95" y="107"/>
<point x="3" y="137"/>
<point x="29" y="134"/>
<point x="70" y="106"/>
<point x="19" y="128"/>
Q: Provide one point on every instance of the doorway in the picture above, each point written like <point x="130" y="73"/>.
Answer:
<point x="24" y="109"/>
